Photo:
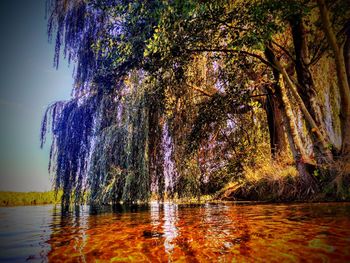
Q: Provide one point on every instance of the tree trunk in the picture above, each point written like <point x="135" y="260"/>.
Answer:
<point x="321" y="141"/>
<point x="275" y="114"/>
<point x="291" y="122"/>
<point x="304" y="164"/>
<point x="155" y="152"/>
<point x="346" y="51"/>
<point x="341" y="74"/>
<point x="275" y="124"/>
<point x="306" y="86"/>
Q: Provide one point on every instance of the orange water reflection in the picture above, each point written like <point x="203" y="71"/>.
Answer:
<point x="211" y="232"/>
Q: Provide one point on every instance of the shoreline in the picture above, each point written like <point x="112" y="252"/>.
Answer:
<point x="16" y="201"/>
<point x="11" y="199"/>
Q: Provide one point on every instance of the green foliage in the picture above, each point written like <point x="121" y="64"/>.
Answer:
<point x="119" y="162"/>
<point x="169" y="95"/>
<point x="29" y="198"/>
<point x="189" y="183"/>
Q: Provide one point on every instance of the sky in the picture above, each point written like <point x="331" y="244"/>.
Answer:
<point x="28" y="84"/>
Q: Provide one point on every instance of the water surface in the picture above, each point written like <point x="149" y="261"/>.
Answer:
<point x="169" y="232"/>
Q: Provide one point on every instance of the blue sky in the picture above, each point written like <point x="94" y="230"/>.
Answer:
<point x="28" y="83"/>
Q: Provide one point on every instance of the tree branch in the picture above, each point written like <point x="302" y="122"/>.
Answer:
<point x="204" y="92"/>
<point x="283" y="49"/>
<point x="240" y="52"/>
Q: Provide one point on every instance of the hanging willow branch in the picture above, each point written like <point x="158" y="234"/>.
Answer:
<point x="72" y="130"/>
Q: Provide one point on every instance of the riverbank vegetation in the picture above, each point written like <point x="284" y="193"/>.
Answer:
<point x="29" y="198"/>
<point x="179" y="99"/>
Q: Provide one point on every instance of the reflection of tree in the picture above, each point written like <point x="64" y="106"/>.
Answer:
<point x="216" y="219"/>
<point x="155" y="215"/>
<point x="226" y="228"/>
<point x="169" y="226"/>
<point x="68" y="235"/>
<point x="104" y="233"/>
<point x="243" y="235"/>
<point x="200" y="233"/>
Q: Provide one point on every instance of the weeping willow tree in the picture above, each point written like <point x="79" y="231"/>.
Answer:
<point x="72" y="130"/>
<point x="175" y="98"/>
<point x="140" y="124"/>
<point x="124" y="135"/>
<point x="119" y="165"/>
<point x="100" y="138"/>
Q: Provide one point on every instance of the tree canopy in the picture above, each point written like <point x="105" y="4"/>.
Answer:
<point x="181" y="98"/>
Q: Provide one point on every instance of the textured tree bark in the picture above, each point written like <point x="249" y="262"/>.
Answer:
<point x="275" y="123"/>
<point x="155" y="152"/>
<point x="341" y="74"/>
<point x="304" y="164"/>
<point x="346" y="51"/>
<point x="321" y="141"/>
<point x="306" y="86"/>
<point x="291" y="120"/>
<point x="275" y="114"/>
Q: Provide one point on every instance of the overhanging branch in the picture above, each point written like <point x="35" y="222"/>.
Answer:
<point x="240" y="52"/>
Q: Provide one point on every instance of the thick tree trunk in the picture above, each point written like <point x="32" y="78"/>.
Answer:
<point x="341" y="74"/>
<point x="275" y="114"/>
<point x="155" y="152"/>
<point x="307" y="90"/>
<point x="275" y="124"/>
<point x="292" y="126"/>
<point x="322" y="143"/>
<point x="346" y="51"/>
<point x="306" y="86"/>
<point x="304" y="164"/>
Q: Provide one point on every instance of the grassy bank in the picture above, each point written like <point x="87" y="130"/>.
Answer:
<point x="268" y="183"/>
<point x="28" y="198"/>
<point x="279" y="181"/>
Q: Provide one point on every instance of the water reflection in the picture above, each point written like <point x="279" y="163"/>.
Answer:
<point x="68" y="228"/>
<point x="24" y="232"/>
<point x="170" y="229"/>
<point x="168" y="232"/>
<point x="155" y="215"/>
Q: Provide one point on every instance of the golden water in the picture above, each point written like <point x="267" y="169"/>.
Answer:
<point x="174" y="233"/>
<point x="213" y="232"/>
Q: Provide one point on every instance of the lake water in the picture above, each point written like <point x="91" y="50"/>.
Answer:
<point x="169" y="232"/>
